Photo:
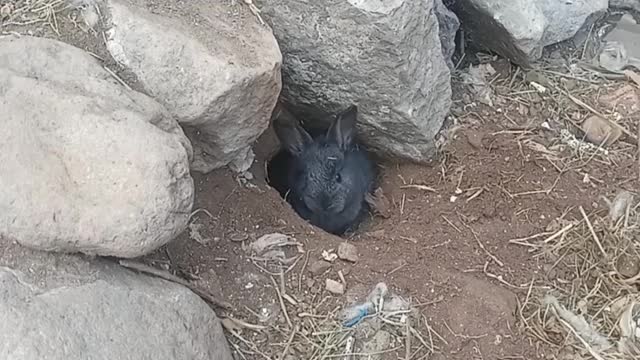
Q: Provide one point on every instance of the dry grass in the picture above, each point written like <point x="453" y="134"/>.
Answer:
<point x="21" y="13"/>
<point x="593" y="270"/>
<point x="564" y="89"/>
<point x="595" y="273"/>
<point x="313" y="327"/>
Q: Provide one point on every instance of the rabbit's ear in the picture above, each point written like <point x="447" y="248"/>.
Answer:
<point x="292" y="136"/>
<point x="342" y="130"/>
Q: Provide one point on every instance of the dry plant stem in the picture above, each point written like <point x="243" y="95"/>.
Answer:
<point x="251" y="346"/>
<point x="593" y="232"/>
<point x="559" y="233"/>
<point x="407" y="352"/>
<point x="304" y="266"/>
<point x="451" y="224"/>
<point x="286" y="348"/>
<point x="169" y="277"/>
<point x="282" y="305"/>
<point x="475" y="236"/>
<point x="118" y="79"/>
<point x="419" y="187"/>
<point x="247" y="325"/>
<point x="583" y="341"/>
<point x="238" y="350"/>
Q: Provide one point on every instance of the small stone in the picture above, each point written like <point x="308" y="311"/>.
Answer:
<point x="248" y="175"/>
<point x="600" y="131"/>
<point x="319" y="267"/>
<point x="475" y="139"/>
<point x="334" y="287"/>
<point x="377" y="234"/>
<point x="348" y="252"/>
<point x="329" y="255"/>
<point x="310" y="283"/>
<point x="6" y="10"/>
<point x="618" y="207"/>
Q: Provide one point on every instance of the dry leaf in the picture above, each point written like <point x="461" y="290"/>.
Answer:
<point x="631" y="75"/>
<point x="270" y="241"/>
<point x="379" y="203"/>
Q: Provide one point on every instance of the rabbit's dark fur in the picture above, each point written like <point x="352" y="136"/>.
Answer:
<point x="326" y="176"/>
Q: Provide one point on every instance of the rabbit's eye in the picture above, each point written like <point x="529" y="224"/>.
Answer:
<point x="338" y="178"/>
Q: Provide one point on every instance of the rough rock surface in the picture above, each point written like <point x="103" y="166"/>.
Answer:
<point x="386" y="57"/>
<point x="625" y="4"/>
<point x="87" y="165"/>
<point x="520" y="29"/>
<point x="212" y="64"/>
<point x="66" y="307"/>
<point x="449" y="25"/>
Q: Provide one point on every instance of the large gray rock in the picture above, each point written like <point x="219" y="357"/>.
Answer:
<point x="449" y="25"/>
<point x="87" y="165"/>
<point x="625" y="4"/>
<point x="386" y="57"/>
<point x="520" y="29"/>
<point x="212" y="64"/>
<point x="65" y="307"/>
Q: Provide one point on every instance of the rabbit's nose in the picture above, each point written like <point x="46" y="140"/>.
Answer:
<point x="327" y="203"/>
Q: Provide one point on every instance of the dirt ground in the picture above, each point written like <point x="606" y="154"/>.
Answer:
<point x="444" y="242"/>
<point x="428" y="249"/>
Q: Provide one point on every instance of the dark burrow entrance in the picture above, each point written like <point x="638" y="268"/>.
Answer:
<point x="324" y="179"/>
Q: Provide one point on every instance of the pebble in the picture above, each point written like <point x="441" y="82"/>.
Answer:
<point x="475" y="139"/>
<point x="377" y="234"/>
<point x="318" y="267"/>
<point x="334" y="287"/>
<point x="347" y="252"/>
<point x="600" y="131"/>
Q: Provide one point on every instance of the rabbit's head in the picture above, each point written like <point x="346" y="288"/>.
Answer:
<point x="328" y="175"/>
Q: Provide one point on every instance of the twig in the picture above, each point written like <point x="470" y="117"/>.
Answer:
<point x="419" y="187"/>
<point x="450" y="223"/>
<point x="304" y="266"/>
<point x="246" y="325"/>
<point x="560" y="232"/>
<point x="282" y="305"/>
<point x="249" y="344"/>
<point x="117" y="78"/>
<point x="475" y="236"/>
<point x="169" y="277"/>
<point x="593" y="232"/>
<point x="286" y="348"/>
<point x="583" y="341"/>
<point x="407" y="350"/>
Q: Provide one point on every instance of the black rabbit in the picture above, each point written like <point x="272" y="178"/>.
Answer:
<point x="324" y="177"/>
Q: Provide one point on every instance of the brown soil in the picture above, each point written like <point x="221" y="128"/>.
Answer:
<point x="428" y="249"/>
